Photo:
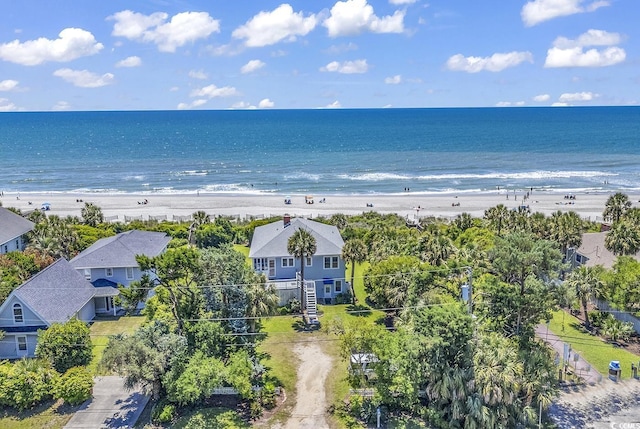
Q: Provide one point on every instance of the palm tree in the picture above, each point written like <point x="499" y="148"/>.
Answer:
<point x="300" y="245"/>
<point x="354" y="252"/>
<point x="436" y="248"/>
<point x="92" y="214"/>
<point x="497" y="217"/>
<point x="616" y="206"/>
<point x="623" y="238"/>
<point x="587" y="283"/>
<point x="262" y="300"/>
<point x="566" y="230"/>
<point x="199" y="218"/>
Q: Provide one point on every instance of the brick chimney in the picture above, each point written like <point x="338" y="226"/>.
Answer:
<point x="286" y="220"/>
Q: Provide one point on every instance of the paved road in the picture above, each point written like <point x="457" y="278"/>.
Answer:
<point x="112" y="406"/>
<point x="582" y="368"/>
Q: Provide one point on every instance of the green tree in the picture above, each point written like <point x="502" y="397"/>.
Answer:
<point x="302" y="244"/>
<point x="55" y="237"/>
<point x="75" y="386"/>
<point x="436" y="248"/>
<point x="146" y="356"/>
<point x="354" y="252"/>
<point x="566" y="229"/>
<point x="200" y="218"/>
<point x="196" y="380"/>
<point x="623" y="238"/>
<point x="497" y="217"/>
<point x="587" y="284"/>
<point x="262" y="300"/>
<point x="622" y="284"/>
<point x="26" y="383"/>
<point x="91" y="214"/>
<point x="137" y="291"/>
<point x="65" y="345"/>
<point x="616" y="206"/>
<point x="177" y="271"/>
<point x="388" y="282"/>
<point x="616" y="330"/>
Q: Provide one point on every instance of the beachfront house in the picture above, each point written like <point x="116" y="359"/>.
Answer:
<point x="13" y="227"/>
<point x="592" y="252"/>
<point x="56" y="294"/>
<point x="111" y="261"/>
<point x="325" y="268"/>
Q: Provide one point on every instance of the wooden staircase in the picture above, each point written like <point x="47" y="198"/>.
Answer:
<point x="311" y="303"/>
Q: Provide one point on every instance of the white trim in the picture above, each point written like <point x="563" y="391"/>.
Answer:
<point x="335" y="286"/>
<point x="129" y="277"/>
<point x="327" y="290"/>
<point x="24" y="352"/>
<point x="290" y="262"/>
<point x="108" y="272"/>
<point x="331" y="260"/>
<point x="14" y="307"/>
<point x="308" y="261"/>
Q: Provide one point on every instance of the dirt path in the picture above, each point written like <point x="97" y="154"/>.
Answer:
<point x="311" y="403"/>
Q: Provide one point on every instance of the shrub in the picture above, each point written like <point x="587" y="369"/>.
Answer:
<point x="75" y="386"/>
<point x="599" y="318"/>
<point x="26" y="383"/>
<point x="163" y="412"/>
<point x="65" y="345"/>
<point x="268" y="396"/>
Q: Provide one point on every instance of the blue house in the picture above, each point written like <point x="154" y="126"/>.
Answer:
<point x="56" y="294"/>
<point x="13" y="227"/>
<point x="326" y="268"/>
<point x="112" y="261"/>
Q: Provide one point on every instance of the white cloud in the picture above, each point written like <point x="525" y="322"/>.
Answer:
<point x="393" y="80"/>
<point x="195" y="103"/>
<point x="8" y="85"/>
<point x="590" y="38"/>
<point x="558" y="104"/>
<point x="346" y="67"/>
<point x="243" y="105"/>
<point x="71" y="43"/>
<point x="7" y="106"/>
<point x="352" y="17"/>
<point x="252" y="66"/>
<point x="577" y="96"/>
<point x="183" y="28"/>
<point x="130" y="62"/>
<point x="510" y="104"/>
<point x="537" y="11"/>
<point x="84" y="78"/>
<point x="401" y="2"/>
<point x="335" y="105"/>
<point x="61" y="106"/>
<point x="212" y="91"/>
<point x="495" y="63"/>
<point x="541" y="98"/>
<point x="570" y="53"/>
<point x="269" y="28"/>
<point x="266" y="104"/>
<point x="198" y="74"/>
<point x="174" y="88"/>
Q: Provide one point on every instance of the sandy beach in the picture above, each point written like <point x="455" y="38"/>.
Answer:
<point x="116" y="207"/>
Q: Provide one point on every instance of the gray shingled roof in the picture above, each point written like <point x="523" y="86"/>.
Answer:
<point x="12" y="225"/>
<point x="121" y="250"/>
<point x="593" y="248"/>
<point x="56" y="293"/>
<point x="270" y="241"/>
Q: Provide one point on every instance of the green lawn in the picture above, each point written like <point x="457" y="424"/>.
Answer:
<point x="50" y="415"/>
<point x="213" y="418"/>
<point x="593" y="349"/>
<point x="104" y="327"/>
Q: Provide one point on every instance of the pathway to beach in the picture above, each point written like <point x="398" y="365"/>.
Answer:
<point x="311" y="402"/>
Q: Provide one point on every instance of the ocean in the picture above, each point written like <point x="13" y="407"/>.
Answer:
<point x="359" y="151"/>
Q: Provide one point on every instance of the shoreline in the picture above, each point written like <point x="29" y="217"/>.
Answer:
<point x="589" y="205"/>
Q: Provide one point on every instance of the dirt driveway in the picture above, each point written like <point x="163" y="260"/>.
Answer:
<point x="311" y="402"/>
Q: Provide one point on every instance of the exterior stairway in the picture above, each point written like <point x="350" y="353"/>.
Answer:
<point x="311" y="302"/>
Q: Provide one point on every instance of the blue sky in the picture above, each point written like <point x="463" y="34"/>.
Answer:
<point x="249" y="54"/>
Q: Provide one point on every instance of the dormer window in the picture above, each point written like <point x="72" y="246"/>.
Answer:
<point x="18" y="317"/>
<point x="108" y="272"/>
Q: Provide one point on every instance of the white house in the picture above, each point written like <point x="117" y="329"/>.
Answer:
<point x="325" y="268"/>
<point x="13" y="227"/>
<point x="56" y="294"/>
<point x="112" y="261"/>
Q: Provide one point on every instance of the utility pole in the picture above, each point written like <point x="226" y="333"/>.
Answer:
<point x="470" y="272"/>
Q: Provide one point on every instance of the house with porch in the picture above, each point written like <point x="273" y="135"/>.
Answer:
<point x="111" y="261"/>
<point x="13" y="227"/>
<point x="55" y="294"/>
<point x="324" y="271"/>
<point x="592" y="251"/>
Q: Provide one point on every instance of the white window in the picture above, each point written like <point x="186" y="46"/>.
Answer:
<point x="87" y="273"/>
<point x="18" y="317"/>
<point x="287" y="262"/>
<point x="129" y="273"/>
<point x="108" y="272"/>
<point x="338" y="286"/>
<point x="260" y="264"/>
<point x="22" y="343"/>
<point x="327" y="289"/>
<point x="330" y="262"/>
<point x="308" y="261"/>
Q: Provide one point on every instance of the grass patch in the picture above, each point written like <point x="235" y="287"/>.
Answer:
<point x="214" y="418"/>
<point x="104" y="327"/>
<point x="593" y="349"/>
<point x="50" y="415"/>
